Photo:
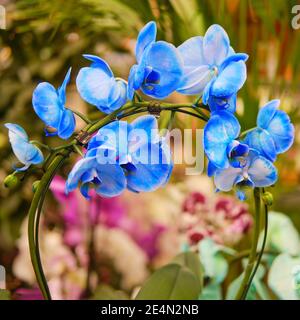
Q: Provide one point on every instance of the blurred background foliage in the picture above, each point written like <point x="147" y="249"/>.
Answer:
<point x="43" y="38"/>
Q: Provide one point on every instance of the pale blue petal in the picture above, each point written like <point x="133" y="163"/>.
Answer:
<point x="131" y="82"/>
<point x="67" y="124"/>
<point x="211" y="169"/>
<point x="34" y="155"/>
<point x="266" y="113"/>
<point x="26" y="152"/>
<point x="112" y="180"/>
<point x="121" y="99"/>
<point x="194" y="80"/>
<point x="146" y="36"/>
<point x="22" y="168"/>
<point x="191" y="52"/>
<point x="233" y="58"/>
<point x="262" y="172"/>
<point x="149" y="176"/>
<point x="99" y="63"/>
<point x="206" y="93"/>
<point x="81" y="167"/>
<point x="113" y="136"/>
<point x="62" y="89"/>
<point x="216" y="104"/>
<point x="225" y="179"/>
<point x="94" y="86"/>
<point x="47" y="105"/>
<point x="215" y="45"/>
<point x="282" y="131"/>
<point x="16" y="131"/>
<point x="219" y="131"/>
<point x="230" y="80"/>
<point x="164" y="60"/>
<point x="262" y="141"/>
<point x="148" y="124"/>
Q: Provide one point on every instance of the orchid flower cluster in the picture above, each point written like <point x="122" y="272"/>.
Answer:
<point x="207" y="67"/>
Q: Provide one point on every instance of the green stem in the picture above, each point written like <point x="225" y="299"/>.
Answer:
<point x="252" y="257"/>
<point x="57" y="157"/>
<point x="246" y="131"/>
<point x="36" y="201"/>
<point x="261" y="251"/>
<point x="40" y="144"/>
<point x="81" y="116"/>
<point x="245" y="254"/>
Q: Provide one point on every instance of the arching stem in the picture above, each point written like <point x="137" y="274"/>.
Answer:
<point x="246" y="283"/>
<point x="56" y="160"/>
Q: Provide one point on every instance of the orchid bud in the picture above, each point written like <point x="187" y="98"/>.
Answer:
<point x="11" y="181"/>
<point x="35" y="185"/>
<point x="267" y="198"/>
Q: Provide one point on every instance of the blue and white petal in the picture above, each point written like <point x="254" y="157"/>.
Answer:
<point x="146" y="36"/>
<point x="221" y="129"/>
<point x="266" y="113"/>
<point x="262" y="141"/>
<point x="67" y="124"/>
<point x="230" y="80"/>
<point x="191" y="52"/>
<point x="145" y="124"/>
<point x="194" y="80"/>
<point x="215" y="45"/>
<point x="47" y="104"/>
<point x="145" y="174"/>
<point x="112" y="180"/>
<point x="99" y="63"/>
<point x="262" y="172"/>
<point x="62" y="89"/>
<point x="165" y="61"/>
<point x="26" y="152"/>
<point x="94" y="86"/>
<point x="225" y="179"/>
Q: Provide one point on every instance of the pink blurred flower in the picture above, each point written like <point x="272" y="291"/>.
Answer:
<point x="222" y="218"/>
<point x="79" y="215"/>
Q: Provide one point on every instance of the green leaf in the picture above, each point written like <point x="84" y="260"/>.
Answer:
<point x="4" y="294"/>
<point x="282" y="279"/>
<point x="191" y="261"/>
<point x="171" y="282"/>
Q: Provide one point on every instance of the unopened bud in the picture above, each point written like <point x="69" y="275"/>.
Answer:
<point x="267" y="198"/>
<point x="11" y="181"/>
<point x="35" y="185"/>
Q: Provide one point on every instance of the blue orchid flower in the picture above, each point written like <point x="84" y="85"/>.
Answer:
<point x="133" y="154"/>
<point x="26" y="152"/>
<point x="138" y="148"/>
<point x="274" y="133"/>
<point x="254" y="171"/>
<point x="108" y="180"/>
<point x="212" y="69"/>
<point x="49" y="105"/>
<point x="159" y="68"/>
<point x="98" y="86"/>
<point x="220" y="141"/>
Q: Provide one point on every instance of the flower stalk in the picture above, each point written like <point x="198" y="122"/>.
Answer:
<point x="251" y="268"/>
<point x="60" y="155"/>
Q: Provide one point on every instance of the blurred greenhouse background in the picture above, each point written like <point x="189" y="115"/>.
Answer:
<point x="43" y="38"/>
